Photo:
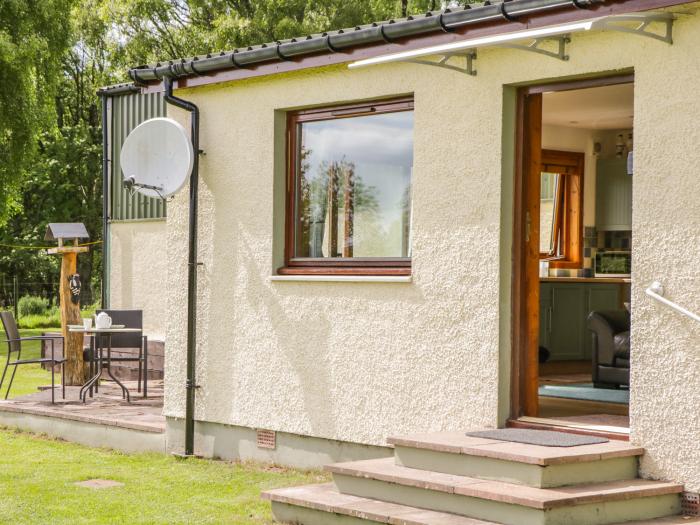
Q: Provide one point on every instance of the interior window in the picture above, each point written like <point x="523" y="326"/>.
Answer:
<point x="561" y="208"/>
<point x="550" y="212"/>
<point x="351" y="187"/>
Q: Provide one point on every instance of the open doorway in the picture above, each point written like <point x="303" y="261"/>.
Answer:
<point x="572" y="262"/>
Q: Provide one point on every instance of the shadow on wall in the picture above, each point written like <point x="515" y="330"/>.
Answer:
<point x="278" y="331"/>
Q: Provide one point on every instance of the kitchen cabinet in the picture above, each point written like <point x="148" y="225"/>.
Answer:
<point x="564" y="308"/>
<point x="613" y="195"/>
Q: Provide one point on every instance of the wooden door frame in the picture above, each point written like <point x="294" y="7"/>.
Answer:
<point x="525" y="271"/>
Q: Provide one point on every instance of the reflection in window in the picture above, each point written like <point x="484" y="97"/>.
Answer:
<point x="551" y="195"/>
<point x="353" y="181"/>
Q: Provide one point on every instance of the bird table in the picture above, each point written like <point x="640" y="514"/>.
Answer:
<point x="76" y="371"/>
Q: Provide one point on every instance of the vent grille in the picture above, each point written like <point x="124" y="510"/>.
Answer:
<point x="690" y="504"/>
<point x="267" y="439"/>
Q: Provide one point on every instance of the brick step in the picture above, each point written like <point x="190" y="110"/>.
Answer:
<point x="587" y="504"/>
<point x="518" y="463"/>
<point x="322" y="504"/>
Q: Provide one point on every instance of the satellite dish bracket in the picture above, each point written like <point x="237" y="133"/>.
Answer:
<point x="131" y="184"/>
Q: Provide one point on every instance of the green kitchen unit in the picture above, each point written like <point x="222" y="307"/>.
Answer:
<point x="613" y="198"/>
<point x="564" y="308"/>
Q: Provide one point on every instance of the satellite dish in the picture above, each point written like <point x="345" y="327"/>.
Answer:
<point x="157" y="158"/>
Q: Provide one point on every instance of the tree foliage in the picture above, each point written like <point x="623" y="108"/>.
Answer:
<point x="55" y="54"/>
<point x="34" y="35"/>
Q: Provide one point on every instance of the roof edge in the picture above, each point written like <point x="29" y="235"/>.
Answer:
<point x="445" y="21"/>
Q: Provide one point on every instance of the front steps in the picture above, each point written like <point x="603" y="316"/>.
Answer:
<point x="452" y="479"/>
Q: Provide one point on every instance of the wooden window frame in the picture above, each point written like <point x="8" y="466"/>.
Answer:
<point x="569" y="219"/>
<point x="370" y="266"/>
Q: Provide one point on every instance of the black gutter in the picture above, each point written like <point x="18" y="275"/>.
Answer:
<point x="192" y="264"/>
<point x="118" y="89"/>
<point x="337" y="41"/>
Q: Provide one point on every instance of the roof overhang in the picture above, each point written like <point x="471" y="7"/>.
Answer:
<point x="223" y="69"/>
<point x="656" y="25"/>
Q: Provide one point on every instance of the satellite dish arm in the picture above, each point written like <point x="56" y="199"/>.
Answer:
<point x="192" y="263"/>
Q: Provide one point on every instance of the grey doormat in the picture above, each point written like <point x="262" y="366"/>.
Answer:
<point x="545" y="438"/>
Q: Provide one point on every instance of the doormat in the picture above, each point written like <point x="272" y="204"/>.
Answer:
<point x="586" y="392"/>
<point x="544" y="438"/>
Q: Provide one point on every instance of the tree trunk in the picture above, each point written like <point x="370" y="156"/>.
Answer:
<point x="76" y="371"/>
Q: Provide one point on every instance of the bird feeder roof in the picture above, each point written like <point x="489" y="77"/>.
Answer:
<point x="65" y="230"/>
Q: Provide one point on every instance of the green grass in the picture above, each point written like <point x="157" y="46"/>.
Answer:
<point x="28" y="377"/>
<point x="50" y="319"/>
<point x="38" y="475"/>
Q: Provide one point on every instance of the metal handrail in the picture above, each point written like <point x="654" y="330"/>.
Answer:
<point x="656" y="290"/>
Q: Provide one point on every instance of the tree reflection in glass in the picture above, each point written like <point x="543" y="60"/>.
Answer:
<point x="354" y="186"/>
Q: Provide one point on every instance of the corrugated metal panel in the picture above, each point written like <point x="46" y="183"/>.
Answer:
<point x="128" y="111"/>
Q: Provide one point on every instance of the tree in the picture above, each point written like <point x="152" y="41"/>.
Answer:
<point x="151" y="30"/>
<point x="55" y="54"/>
<point x="63" y="181"/>
<point x="34" y="36"/>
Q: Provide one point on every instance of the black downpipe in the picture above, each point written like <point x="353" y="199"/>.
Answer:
<point x="105" y="204"/>
<point x="192" y="264"/>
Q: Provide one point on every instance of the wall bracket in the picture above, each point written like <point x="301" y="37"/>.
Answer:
<point x="536" y="46"/>
<point x="467" y="67"/>
<point x="642" y="24"/>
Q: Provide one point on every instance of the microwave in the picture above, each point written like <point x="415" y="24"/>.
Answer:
<point x="613" y="263"/>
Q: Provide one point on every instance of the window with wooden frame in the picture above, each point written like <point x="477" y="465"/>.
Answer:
<point x="349" y="189"/>
<point x="561" y="208"/>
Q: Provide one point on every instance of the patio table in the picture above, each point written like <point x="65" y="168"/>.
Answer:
<point x="103" y="339"/>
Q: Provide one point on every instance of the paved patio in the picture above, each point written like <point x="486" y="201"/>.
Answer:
<point x="104" y="420"/>
<point x="106" y="407"/>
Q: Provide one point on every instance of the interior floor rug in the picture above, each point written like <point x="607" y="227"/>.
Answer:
<point x="586" y="392"/>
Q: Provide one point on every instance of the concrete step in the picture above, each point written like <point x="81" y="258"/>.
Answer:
<point x="323" y="505"/>
<point x="518" y="463"/>
<point x="588" y="504"/>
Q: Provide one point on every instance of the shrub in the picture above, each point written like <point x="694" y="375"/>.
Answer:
<point x="32" y="305"/>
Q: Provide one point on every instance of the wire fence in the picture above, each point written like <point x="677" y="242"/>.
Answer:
<point x="12" y="290"/>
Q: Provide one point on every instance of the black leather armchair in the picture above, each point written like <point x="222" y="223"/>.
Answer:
<point x="611" y="348"/>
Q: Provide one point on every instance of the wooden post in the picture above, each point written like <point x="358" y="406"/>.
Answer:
<point x="76" y="371"/>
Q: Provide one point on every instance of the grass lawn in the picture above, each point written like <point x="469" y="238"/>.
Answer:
<point x="28" y="377"/>
<point x="38" y="475"/>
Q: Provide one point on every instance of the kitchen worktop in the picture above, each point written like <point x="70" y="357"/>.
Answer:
<point x="600" y="280"/>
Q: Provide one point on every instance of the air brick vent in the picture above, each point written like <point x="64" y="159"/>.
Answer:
<point x="267" y="439"/>
<point x="690" y="504"/>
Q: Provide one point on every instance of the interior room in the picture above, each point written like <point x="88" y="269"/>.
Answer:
<point x="585" y="258"/>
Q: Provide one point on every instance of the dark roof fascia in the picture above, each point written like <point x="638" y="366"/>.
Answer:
<point x="532" y="14"/>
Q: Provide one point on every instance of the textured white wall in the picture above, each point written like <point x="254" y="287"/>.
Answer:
<point x="138" y="269"/>
<point x="360" y="361"/>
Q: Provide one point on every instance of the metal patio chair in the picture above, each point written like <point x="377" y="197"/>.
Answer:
<point x="14" y="346"/>
<point x="130" y="319"/>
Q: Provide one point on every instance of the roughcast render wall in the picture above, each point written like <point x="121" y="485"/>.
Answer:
<point x="137" y="271"/>
<point x="361" y="361"/>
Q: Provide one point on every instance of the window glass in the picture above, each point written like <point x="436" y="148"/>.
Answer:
<point x="549" y="209"/>
<point x="353" y="187"/>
